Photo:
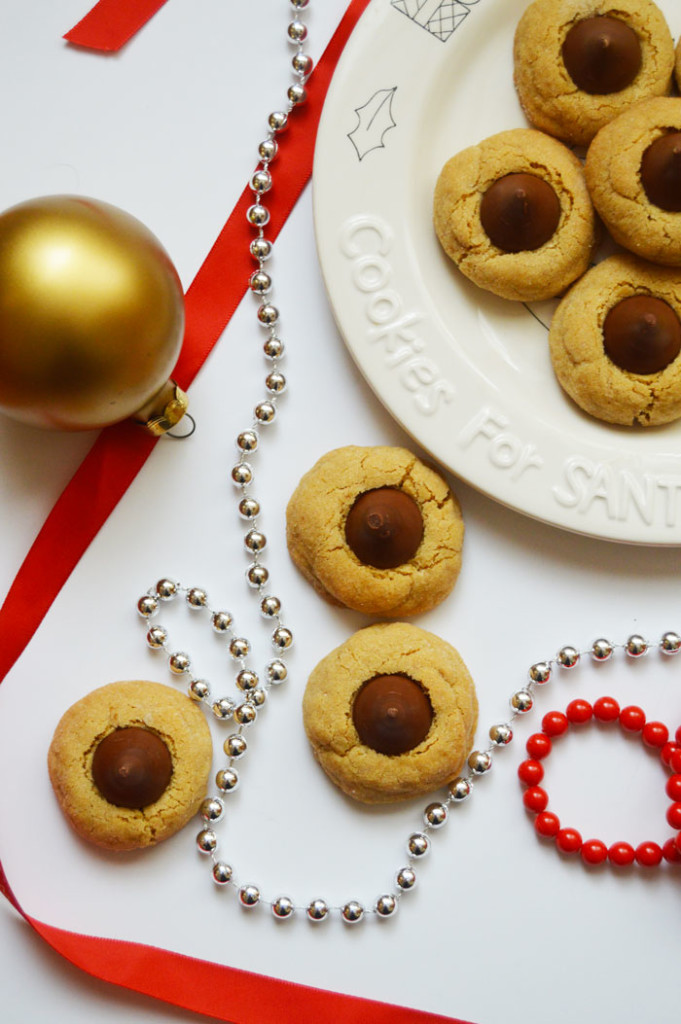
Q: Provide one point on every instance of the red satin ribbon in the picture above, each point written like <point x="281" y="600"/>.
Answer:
<point x="216" y="990"/>
<point x="111" y="23"/>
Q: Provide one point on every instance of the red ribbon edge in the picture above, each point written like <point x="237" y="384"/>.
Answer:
<point x="111" y="23"/>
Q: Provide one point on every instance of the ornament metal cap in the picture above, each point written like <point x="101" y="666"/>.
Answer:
<point x="164" y="411"/>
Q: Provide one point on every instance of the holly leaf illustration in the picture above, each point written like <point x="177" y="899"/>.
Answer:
<point x="374" y="119"/>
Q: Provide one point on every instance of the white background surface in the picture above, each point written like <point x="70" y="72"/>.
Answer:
<point x="499" y="928"/>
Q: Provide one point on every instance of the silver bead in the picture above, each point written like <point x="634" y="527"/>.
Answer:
<point x="255" y="541"/>
<point x="242" y="474"/>
<point x="670" y="643"/>
<point x="302" y="64"/>
<point x="239" y="647"/>
<point x="257" y="574"/>
<point x="299" y="5"/>
<point x="567" y="657"/>
<point x="460" y="789"/>
<point x="636" y="646"/>
<point x="147" y="606"/>
<point x="223" y="708"/>
<point x="249" y="896"/>
<point x="247" y="680"/>
<point x="260" y="283"/>
<point x="405" y="879"/>
<point x="245" y="714"/>
<point x="275" y="383"/>
<point x="249" y="508"/>
<point x="166" y="589"/>
<point x="501" y="734"/>
<point x="197" y="598"/>
<point x="268" y="314"/>
<point x="265" y="412"/>
<point x="222" y="873"/>
<point x="522" y="701"/>
<point x="247" y="441"/>
<point x="296" y="93"/>
<point x="479" y="761"/>
<point x="258" y="696"/>
<point x="386" y="905"/>
<point x="156" y="637"/>
<point x="270" y="606"/>
<point x="352" y="912"/>
<point x="278" y="120"/>
<point x="267" y="150"/>
<point x="199" y="689"/>
<point x="601" y="650"/>
<point x="282" y="638"/>
<point x="282" y="908"/>
<point x="274" y="348"/>
<point x="297" y="32"/>
<point x="179" y="662"/>
<point x="212" y="808"/>
<point x="261" y="249"/>
<point x="435" y="815"/>
<point x="235" y="746"/>
<point x="276" y="672"/>
<point x="221" y="621"/>
<point x="258" y="215"/>
<point x="227" y="780"/>
<point x="206" y="840"/>
<point x="261" y="181"/>
<point x="418" y="844"/>
<point x="541" y="672"/>
<point x="317" y="910"/>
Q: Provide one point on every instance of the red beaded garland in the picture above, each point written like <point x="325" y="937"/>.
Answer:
<point x="631" y="719"/>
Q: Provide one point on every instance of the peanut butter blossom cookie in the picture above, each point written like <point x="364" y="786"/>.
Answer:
<point x="129" y="764"/>
<point x="615" y="342"/>
<point x="580" y="63"/>
<point x="515" y="215"/>
<point x="633" y="170"/>
<point x="376" y="530"/>
<point x="391" y="713"/>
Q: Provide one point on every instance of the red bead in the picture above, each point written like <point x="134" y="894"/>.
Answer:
<point x="538" y="745"/>
<point x="655" y="734"/>
<point x="579" y="711"/>
<point x="675" y="760"/>
<point x="535" y="799"/>
<point x="678" y="735"/>
<point x="670" y="852"/>
<point x="648" y="855"/>
<point x="606" y="709"/>
<point x="554" y="723"/>
<point x="667" y="751"/>
<point x="593" y="851"/>
<point x="532" y="772"/>
<point x="632" y="718"/>
<point x="674" y="815"/>
<point x="621" y="854"/>
<point x="677" y="841"/>
<point x="547" y="824"/>
<point x="568" y="840"/>
<point x="673" y="787"/>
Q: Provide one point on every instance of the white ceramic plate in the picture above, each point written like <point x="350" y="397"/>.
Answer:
<point x="466" y="374"/>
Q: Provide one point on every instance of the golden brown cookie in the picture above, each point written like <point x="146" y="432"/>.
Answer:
<point x="614" y="65"/>
<point x="393" y="669"/>
<point x="124" y="734"/>
<point x="633" y="170"/>
<point x="598" y="331"/>
<point x="677" y="65"/>
<point x="468" y="187"/>
<point x="376" y="530"/>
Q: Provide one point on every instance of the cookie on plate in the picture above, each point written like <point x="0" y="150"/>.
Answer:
<point x="376" y="530"/>
<point x="633" y="170"/>
<point x="615" y="341"/>
<point x="579" y="63"/>
<point x="391" y="713"/>
<point x="129" y="764"/>
<point x="514" y="214"/>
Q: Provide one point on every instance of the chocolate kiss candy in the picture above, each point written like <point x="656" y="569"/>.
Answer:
<point x="602" y="55"/>
<point x="131" y="767"/>
<point x="392" y="714"/>
<point x="384" y="528"/>
<point x="519" y="212"/>
<point x="661" y="172"/>
<point x="642" y="334"/>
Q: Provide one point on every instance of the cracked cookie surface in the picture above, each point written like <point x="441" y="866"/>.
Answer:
<point x="395" y="648"/>
<point x="613" y="174"/>
<point x="171" y="716"/>
<point x="549" y="96"/>
<point x="529" y="275"/>
<point x="316" y="519"/>
<point x="576" y="343"/>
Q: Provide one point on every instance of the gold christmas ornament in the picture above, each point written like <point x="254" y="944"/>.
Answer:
<point x="91" y="317"/>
